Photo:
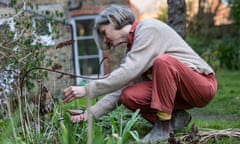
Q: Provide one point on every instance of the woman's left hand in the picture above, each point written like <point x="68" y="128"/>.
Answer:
<point x="73" y="92"/>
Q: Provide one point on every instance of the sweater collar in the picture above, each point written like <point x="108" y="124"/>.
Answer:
<point x="131" y="35"/>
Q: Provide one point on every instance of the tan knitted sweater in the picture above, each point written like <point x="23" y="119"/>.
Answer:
<point x="152" y="37"/>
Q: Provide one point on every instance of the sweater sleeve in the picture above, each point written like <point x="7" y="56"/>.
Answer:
<point x="105" y="105"/>
<point x="137" y="61"/>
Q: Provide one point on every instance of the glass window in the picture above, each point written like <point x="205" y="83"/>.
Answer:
<point x="84" y="27"/>
<point x="87" y="47"/>
<point x="89" y="66"/>
<point x="86" y="54"/>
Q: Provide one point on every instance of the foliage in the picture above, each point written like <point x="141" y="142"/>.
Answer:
<point x="235" y="11"/>
<point x="17" y="36"/>
<point x="117" y="128"/>
<point x="164" y="15"/>
<point x="21" y="50"/>
<point x="123" y="126"/>
<point x="219" y="52"/>
<point x="227" y="51"/>
<point x="121" y="132"/>
<point x="219" y="45"/>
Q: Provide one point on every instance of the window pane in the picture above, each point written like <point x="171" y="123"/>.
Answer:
<point x="89" y="66"/>
<point x="84" y="27"/>
<point x="87" y="47"/>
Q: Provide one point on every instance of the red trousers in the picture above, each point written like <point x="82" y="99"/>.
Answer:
<point x="173" y="86"/>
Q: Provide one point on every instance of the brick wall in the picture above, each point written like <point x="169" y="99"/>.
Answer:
<point x="62" y="56"/>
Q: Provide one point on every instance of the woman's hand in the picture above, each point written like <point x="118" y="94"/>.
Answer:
<point x="73" y="92"/>
<point x="78" y="117"/>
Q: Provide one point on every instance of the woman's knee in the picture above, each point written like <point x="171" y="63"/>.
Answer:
<point x="125" y="97"/>
<point x="161" y="59"/>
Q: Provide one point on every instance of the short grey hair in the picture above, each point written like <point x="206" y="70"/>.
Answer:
<point x="120" y="14"/>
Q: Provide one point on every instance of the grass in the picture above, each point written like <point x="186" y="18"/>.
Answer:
<point x="122" y="126"/>
<point x="227" y="99"/>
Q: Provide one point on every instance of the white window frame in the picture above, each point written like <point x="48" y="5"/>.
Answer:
<point x="76" y="56"/>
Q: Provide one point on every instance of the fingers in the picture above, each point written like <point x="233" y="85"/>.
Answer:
<point x="68" y="91"/>
<point x="68" y="95"/>
<point x="73" y="92"/>
<point x="77" y="118"/>
<point x="68" y="99"/>
<point x="80" y="117"/>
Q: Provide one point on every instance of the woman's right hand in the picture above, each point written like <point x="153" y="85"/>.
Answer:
<point x="73" y="92"/>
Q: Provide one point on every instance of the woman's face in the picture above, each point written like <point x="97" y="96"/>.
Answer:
<point x="111" y="37"/>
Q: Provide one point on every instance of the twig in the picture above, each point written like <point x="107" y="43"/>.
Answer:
<point x="204" y="135"/>
<point x="19" y="13"/>
<point x="211" y="133"/>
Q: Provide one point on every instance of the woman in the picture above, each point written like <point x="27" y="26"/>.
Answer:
<point x="161" y="74"/>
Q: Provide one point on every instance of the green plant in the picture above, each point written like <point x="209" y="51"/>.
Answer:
<point x="18" y="54"/>
<point x="227" y="51"/>
<point x="121" y="132"/>
<point x="235" y="11"/>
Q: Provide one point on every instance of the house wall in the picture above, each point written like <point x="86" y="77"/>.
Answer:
<point x="62" y="56"/>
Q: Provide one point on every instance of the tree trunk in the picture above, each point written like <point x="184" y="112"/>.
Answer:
<point x="177" y="16"/>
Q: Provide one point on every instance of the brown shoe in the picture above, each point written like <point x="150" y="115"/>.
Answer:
<point x="159" y="132"/>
